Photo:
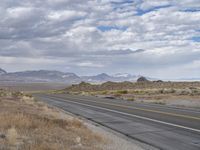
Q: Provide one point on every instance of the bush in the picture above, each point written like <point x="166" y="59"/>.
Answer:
<point x="159" y="102"/>
<point x="167" y="91"/>
<point x="161" y="91"/>
<point x="122" y="92"/>
<point x="131" y="99"/>
<point x="104" y="92"/>
<point x="172" y="90"/>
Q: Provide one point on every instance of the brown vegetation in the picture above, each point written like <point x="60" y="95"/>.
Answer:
<point x="146" y="91"/>
<point x="26" y="124"/>
<point x="83" y="86"/>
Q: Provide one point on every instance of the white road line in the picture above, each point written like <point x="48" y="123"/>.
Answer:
<point x="136" y="116"/>
<point x="138" y="108"/>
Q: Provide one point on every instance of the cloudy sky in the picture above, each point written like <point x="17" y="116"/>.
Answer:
<point x="157" y="38"/>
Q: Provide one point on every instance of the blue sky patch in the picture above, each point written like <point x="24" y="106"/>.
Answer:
<point x="196" y="39"/>
<point x="108" y="28"/>
<point x="123" y="2"/>
<point x="191" y="10"/>
<point x="141" y="12"/>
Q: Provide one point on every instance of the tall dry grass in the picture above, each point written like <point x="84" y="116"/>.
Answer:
<point x="26" y="124"/>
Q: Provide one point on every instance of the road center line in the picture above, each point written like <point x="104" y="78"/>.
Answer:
<point x="127" y="114"/>
<point x="143" y="109"/>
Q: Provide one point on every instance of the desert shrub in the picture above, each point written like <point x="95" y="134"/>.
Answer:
<point x="17" y="94"/>
<point x="161" y="91"/>
<point x="185" y="92"/>
<point x="167" y="91"/>
<point x="12" y="136"/>
<point x="195" y="92"/>
<point x="135" y="92"/>
<point x="159" y="102"/>
<point x="193" y="88"/>
<point x="122" y="92"/>
<point x="104" y="92"/>
<point x="131" y="99"/>
<point x="172" y="90"/>
<point x="4" y="93"/>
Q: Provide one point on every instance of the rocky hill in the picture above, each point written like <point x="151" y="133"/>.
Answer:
<point x="2" y="71"/>
<point x="142" y="79"/>
<point x="107" y="86"/>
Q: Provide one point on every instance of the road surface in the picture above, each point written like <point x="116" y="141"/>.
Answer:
<point x="162" y="127"/>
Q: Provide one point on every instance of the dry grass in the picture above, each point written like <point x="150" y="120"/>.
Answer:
<point x="115" y="86"/>
<point x="12" y="136"/>
<point x="187" y="93"/>
<point x="26" y="124"/>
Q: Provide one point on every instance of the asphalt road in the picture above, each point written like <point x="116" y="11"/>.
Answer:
<point x="162" y="127"/>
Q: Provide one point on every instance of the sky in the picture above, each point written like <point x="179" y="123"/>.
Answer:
<point x="155" y="38"/>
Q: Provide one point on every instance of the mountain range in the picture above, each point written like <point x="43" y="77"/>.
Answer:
<point x="2" y="71"/>
<point x="57" y="76"/>
<point x="67" y="77"/>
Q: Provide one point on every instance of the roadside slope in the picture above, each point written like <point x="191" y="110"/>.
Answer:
<point x="28" y="124"/>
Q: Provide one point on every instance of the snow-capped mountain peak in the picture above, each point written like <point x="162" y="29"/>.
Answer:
<point x="122" y="75"/>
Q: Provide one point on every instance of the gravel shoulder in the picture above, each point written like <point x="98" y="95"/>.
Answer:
<point x="116" y="141"/>
<point x="113" y="140"/>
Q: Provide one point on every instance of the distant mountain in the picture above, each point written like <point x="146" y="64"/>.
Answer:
<point x="123" y="75"/>
<point x="2" y="71"/>
<point x="40" y="76"/>
<point x="119" y="77"/>
<point x="57" y="76"/>
<point x="142" y="79"/>
<point x="97" y="78"/>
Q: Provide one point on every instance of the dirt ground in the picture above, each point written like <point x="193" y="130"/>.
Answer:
<point x="32" y="87"/>
<point x="28" y="124"/>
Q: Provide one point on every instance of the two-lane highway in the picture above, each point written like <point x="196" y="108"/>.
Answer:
<point x="159" y="126"/>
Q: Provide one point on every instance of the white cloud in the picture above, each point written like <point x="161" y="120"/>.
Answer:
<point x="18" y="11"/>
<point x="148" y="4"/>
<point x="76" y="33"/>
<point x="65" y="15"/>
<point x="89" y="64"/>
